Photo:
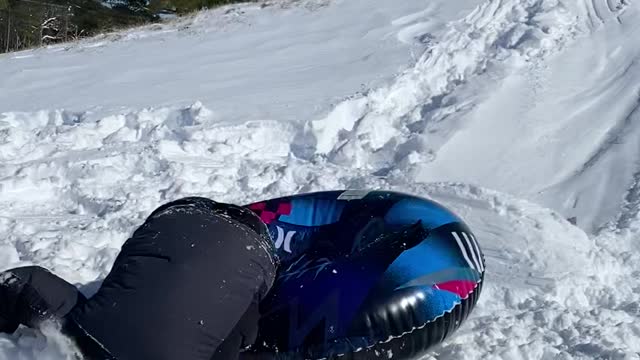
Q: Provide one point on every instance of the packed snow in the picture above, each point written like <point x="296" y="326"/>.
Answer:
<point x="516" y="114"/>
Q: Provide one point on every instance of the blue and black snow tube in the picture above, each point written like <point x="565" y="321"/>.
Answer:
<point x="365" y="275"/>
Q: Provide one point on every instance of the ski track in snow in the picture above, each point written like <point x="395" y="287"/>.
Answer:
<point x="496" y="31"/>
<point x="75" y="183"/>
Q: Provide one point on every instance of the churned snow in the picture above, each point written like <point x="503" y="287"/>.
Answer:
<point x="516" y="114"/>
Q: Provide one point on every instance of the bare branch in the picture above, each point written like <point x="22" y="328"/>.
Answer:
<point x="48" y="21"/>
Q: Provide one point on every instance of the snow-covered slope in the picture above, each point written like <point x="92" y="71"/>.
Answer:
<point x="563" y="130"/>
<point x="286" y="61"/>
<point x="533" y="99"/>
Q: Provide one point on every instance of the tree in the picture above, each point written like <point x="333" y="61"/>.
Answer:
<point x="137" y="6"/>
<point x="28" y="23"/>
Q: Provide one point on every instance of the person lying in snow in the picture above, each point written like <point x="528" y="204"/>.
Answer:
<point x="186" y="285"/>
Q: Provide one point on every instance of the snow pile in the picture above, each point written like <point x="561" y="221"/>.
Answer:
<point x="367" y="129"/>
<point x="552" y="292"/>
<point x="47" y="344"/>
<point x="255" y="108"/>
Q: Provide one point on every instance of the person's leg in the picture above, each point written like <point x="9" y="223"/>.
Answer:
<point x="31" y="295"/>
<point x="242" y="336"/>
<point x="181" y="283"/>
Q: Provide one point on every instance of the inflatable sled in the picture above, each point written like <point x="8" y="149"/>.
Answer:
<point x="365" y="275"/>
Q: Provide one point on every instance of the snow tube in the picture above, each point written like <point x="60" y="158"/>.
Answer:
<point x="365" y="275"/>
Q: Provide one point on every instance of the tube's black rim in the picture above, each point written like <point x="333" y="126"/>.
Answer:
<point x="412" y="344"/>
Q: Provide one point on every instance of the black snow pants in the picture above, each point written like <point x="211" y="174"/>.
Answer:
<point x="185" y="286"/>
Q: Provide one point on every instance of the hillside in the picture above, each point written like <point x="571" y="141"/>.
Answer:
<point x="32" y="23"/>
<point x="517" y="114"/>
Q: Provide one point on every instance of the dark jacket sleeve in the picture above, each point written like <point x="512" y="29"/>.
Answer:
<point x="31" y="295"/>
